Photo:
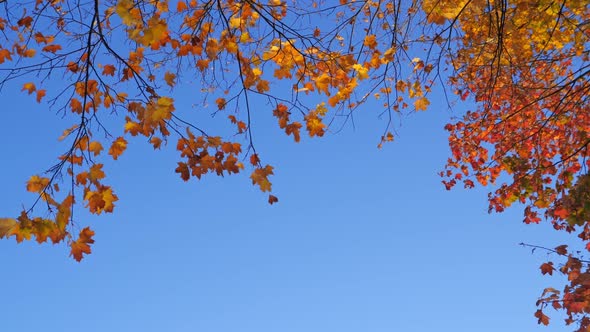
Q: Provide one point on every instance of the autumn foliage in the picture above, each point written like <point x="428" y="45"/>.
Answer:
<point x="525" y="65"/>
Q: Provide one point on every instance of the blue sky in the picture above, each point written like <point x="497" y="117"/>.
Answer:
<point x="361" y="240"/>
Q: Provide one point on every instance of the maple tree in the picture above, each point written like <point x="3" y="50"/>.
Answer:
<point x="525" y="64"/>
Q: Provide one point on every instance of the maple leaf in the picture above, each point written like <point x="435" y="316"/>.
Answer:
<point x="361" y="71"/>
<point x="30" y="87"/>
<point x="73" y="67"/>
<point x="260" y="177"/>
<point x="315" y="126"/>
<point x="118" y="147"/>
<point x="561" y="250"/>
<point x="543" y="319"/>
<point x="272" y="199"/>
<point x="221" y="105"/>
<point x="4" y="55"/>
<point x="156" y="31"/>
<point x="183" y="170"/>
<point x="323" y="83"/>
<point x="170" y="79"/>
<point x="29" y="53"/>
<point x="40" y="95"/>
<point x="370" y="41"/>
<point x="156" y="142"/>
<point x="95" y="147"/>
<point x="51" y="48"/>
<point x="421" y="104"/>
<point x="96" y="173"/>
<point x="6" y="226"/>
<point x="37" y="184"/>
<point x="82" y="245"/>
<point x="132" y="127"/>
<point x="203" y="64"/>
<point x="123" y="9"/>
<point x="547" y="268"/>
<point x="108" y="70"/>
<point x="100" y="200"/>
<point x="75" y="106"/>
<point x="181" y="6"/>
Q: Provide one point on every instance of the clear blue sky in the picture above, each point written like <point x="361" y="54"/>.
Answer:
<point x="361" y="240"/>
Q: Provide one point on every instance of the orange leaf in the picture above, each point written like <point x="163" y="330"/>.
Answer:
<point x="170" y="78"/>
<point x="118" y="147"/>
<point x="73" y="67"/>
<point x="6" y="226"/>
<point x="76" y="106"/>
<point x="542" y="318"/>
<point x="29" y="53"/>
<point x="30" y="87"/>
<point x="181" y="6"/>
<point x="260" y="177"/>
<point x="100" y="200"/>
<point x="40" y="95"/>
<point x="421" y="104"/>
<point x="370" y="41"/>
<point x="37" y="184"/>
<point x="254" y="160"/>
<point x="561" y="213"/>
<point x="183" y="170"/>
<point x="561" y="250"/>
<point x="547" y="268"/>
<point x="202" y="64"/>
<point x="221" y="104"/>
<point x="82" y="245"/>
<point x="272" y="199"/>
<point x="108" y="70"/>
<point x="4" y="54"/>
<point x="95" y="147"/>
<point x="156" y="142"/>
<point x="51" y="48"/>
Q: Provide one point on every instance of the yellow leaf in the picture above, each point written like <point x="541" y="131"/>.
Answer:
<point x="123" y="9"/>
<point x="361" y="71"/>
<point x="132" y="127"/>
<point x="315" y="126"/>
<point x="37" y="184"/>
<point x="6" y="225"/>
<point x="323" y="83"/>
<point x="158" y="30"/>
<point x="421" y="104"/>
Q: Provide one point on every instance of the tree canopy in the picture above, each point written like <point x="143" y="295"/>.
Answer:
<point x="312" y="64"/>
